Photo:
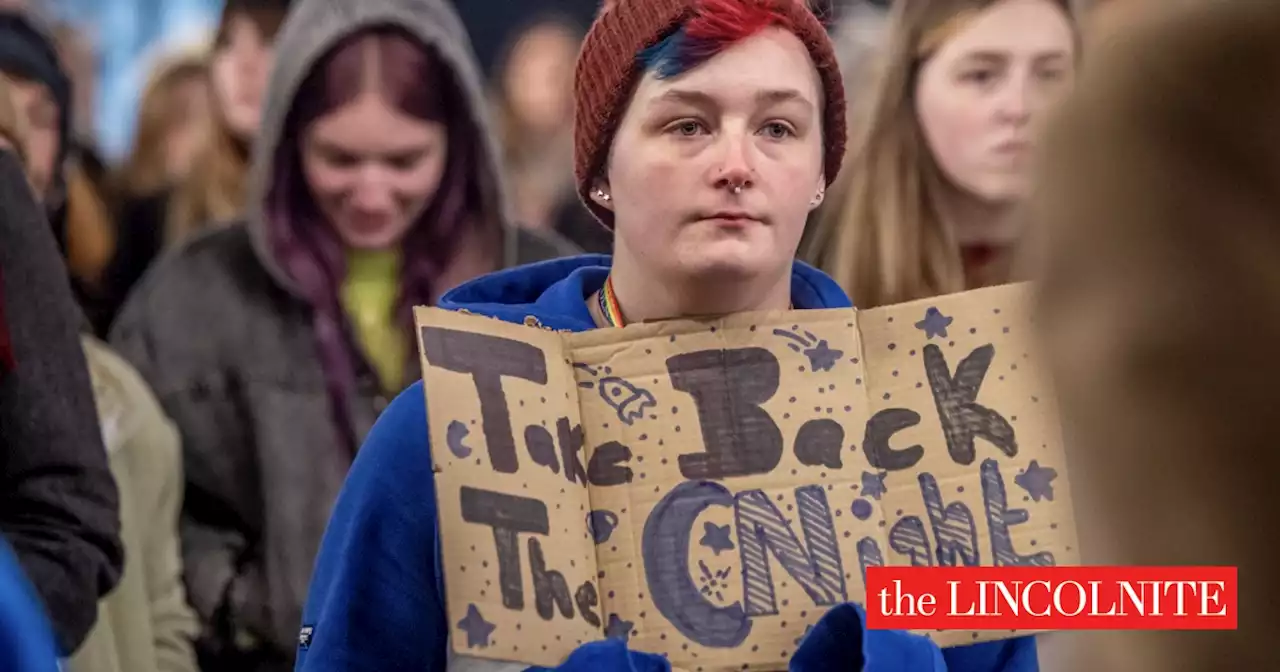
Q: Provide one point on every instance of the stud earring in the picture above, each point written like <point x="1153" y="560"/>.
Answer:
<point x="604" y="196"/>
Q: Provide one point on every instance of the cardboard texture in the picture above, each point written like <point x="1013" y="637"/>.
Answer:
<point x="708" y="489"/>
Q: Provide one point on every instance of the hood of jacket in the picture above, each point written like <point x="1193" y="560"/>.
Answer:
<point x="312" y="29"/>
<point x="28" y="51"/>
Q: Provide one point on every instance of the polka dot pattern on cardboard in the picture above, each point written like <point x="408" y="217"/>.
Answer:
<point x="809" y="446"/>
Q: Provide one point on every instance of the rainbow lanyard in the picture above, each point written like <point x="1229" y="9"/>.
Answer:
<point x="612" y="312"/>
<point x="609" y="307"/>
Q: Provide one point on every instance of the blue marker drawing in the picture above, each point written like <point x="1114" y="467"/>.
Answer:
<point x="1037" y="481"/>
<point x="934" y="323"/>
<point x="618" y="628"/>
<point x="953" y="527"/>
<point x="1000" y="518"/>
<point x="822" y="357"/>
<point x="869" y="555"/>
<point x="908" y="537"/>
<point x="873" y="484"/>
<point x="456" y="433"/>
<point x="816" y="565"/>
<point x="477" y="629"/>
<point x="626" y="399"/>
<point x="716" y="538"/>
<point x="665" y="548"/>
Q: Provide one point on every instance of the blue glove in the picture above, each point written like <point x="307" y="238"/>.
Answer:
<point x="841" y="642"/>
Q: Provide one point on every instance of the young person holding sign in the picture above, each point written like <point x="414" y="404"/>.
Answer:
<point x="706" y="131"/>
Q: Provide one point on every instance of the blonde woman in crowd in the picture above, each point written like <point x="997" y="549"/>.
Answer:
<point x="939" y="150"/>
<point x="214" y="193"/>
<point x="173" y="125"/>
<point x="144" y="624"/>
<point x="172" y="120"/>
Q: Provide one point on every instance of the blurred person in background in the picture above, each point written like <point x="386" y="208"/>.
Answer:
<point x="90" y="228"/>
<point x="940" y="149"/>
<point x="172" y="121"/>
<point x="145" y="623"/>
<point x="172" y="128"/>
<point x="535" y="114"/>
<point x="59" y="503"/>
<point x="79" y="58"/>
<point x="213" y="194"/>
<point x="42" y="92"/>
<point x="376" y="186"/>
<point x="90" y="234"/>
<point x="859" y="35"/>
<point x="1159" y="306"/>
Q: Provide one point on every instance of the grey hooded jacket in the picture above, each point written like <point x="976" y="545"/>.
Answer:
<point x="224" y="337"/>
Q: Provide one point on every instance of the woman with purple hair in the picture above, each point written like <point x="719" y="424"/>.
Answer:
<point x="274" y="345"/>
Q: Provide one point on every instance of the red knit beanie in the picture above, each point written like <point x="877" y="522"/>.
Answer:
<point x="607" y="72"/>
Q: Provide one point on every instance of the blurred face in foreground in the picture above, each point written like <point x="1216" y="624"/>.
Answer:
<point x="34" y="102"/>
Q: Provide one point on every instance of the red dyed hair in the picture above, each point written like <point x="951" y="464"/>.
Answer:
<point x="714" y="26"/>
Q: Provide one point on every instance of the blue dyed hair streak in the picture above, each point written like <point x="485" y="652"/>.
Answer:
<point x="714" y="26"/>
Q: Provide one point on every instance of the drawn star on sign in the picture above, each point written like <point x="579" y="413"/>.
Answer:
<point x="934" y="323"/>
<point x="823" y="357"/>
<point x="618" y="628"/>
<point x="716" y="538"/>
<point x="477" y="629"/>
<point x="1037" y="481"/>
<point x="873" y="484"/>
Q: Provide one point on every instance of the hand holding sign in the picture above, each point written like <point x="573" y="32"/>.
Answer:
<point x="707" y="490"/>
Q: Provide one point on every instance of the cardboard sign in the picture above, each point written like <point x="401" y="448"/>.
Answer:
<point x="708" y="489"/>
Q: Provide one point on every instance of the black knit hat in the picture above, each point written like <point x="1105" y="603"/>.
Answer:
<point x="28" y="52"/>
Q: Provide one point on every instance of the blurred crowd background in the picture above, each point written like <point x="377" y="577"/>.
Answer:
<point x="141" y="136"/>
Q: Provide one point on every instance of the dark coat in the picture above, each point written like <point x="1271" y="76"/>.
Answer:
<point x="58" y="501"/>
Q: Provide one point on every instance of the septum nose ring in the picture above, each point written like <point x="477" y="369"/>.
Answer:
<point x="737" y="189"/>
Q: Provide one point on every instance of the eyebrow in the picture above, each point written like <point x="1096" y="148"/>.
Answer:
<point x="704" y="100"/>
<point x="996" y="56"/>
<point x="332" y="149"/>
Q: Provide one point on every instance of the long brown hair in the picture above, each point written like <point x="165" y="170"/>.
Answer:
<point x="214" y="192"/>
<point x="879" y="233"/>
<point x="145" y="171"/>
<point x="13" y="126"/>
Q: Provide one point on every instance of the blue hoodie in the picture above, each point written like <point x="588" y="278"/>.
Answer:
<point x="376" y="599"/>
<point x="26" y="638"/>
